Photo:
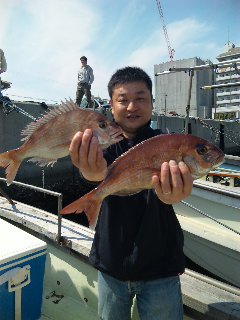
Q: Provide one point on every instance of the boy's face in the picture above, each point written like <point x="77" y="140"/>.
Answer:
<point x="83" y="62"/>
<point x="131" y="106"/>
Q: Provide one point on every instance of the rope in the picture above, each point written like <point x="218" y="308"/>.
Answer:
<point x="215" y="130"/>
<point x="210" y="217"/>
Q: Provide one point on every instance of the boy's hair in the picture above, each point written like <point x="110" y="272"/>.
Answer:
<point x="83" y="58"/>
<point x="129" y="74"/>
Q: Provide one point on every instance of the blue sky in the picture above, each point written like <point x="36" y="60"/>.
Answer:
<point x="44" y="39"/>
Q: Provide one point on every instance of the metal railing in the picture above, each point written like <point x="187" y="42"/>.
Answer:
<point x="46" y="191"/>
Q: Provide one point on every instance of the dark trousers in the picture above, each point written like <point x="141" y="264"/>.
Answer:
<point x="84" y="88"/>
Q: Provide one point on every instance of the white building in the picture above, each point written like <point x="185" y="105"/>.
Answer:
<point x="228" y="98"/>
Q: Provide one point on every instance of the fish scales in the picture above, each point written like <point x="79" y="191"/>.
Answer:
<point x="132" y="171"/>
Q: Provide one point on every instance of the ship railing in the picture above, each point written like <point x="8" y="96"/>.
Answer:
<point x="46" y="191"/>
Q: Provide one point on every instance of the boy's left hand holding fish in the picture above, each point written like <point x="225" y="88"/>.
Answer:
<point x="174" y="182"/>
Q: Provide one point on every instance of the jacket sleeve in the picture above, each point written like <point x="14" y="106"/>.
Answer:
<point x="3" y="62"/>
<point x="86" y="185"/>
<point x="91" y="75"/>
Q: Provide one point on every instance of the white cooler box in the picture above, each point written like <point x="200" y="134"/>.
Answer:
<point x="22" y="266"/>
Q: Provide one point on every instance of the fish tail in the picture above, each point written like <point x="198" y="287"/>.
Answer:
<point x="88" y="204"/>
<point x="10" y="161"/>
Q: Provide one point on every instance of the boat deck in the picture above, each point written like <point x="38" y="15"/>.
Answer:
<point x="76" y="237"/>
<point x="203" y="298"/>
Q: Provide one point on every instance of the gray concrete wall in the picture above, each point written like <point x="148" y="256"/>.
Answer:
<point x="176" y="86"/>
<point x="13" y="123"/>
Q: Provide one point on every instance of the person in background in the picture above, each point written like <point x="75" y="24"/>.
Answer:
<point x="85" y="80"/>
<point x="138" y="243"/>
<point x="3" y="66"/>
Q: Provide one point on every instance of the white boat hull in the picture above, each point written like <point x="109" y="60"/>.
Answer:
<point x="213" y="240"/>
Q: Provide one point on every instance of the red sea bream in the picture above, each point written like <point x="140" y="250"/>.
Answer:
<point x="133" y="171"/>
<point x="49" y="138"/>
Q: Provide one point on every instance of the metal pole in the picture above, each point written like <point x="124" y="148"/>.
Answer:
<point x="212" y="96"/>
<point x="191" y="74"/>
<point x="215" y="86"/>
<point x="165" y="104"/>
<point x="213" y="66"/>
<point x="59" y="235"/>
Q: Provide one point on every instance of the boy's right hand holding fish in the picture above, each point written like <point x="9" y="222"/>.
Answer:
<point x="87" y="156"/>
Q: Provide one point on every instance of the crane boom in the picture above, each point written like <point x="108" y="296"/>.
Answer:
<point x="170" y="50"/>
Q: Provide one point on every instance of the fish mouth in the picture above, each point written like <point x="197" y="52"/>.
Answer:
<point x="217" y="162"/>
<point x="117" y="136"/>
<point x="114" y="138"/>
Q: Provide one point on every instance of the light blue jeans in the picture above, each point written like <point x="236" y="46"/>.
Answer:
<point x="159" y="299"/>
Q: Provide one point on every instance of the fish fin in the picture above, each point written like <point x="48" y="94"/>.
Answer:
<point x="9" y="161"/>
<point x="86" y="204"/>
<point x="64" y="107"/>
<point x="43" y="162"/>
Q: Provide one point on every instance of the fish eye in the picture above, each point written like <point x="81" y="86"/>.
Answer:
<point x="201" y="149"/>
<point x="102" y="124"/>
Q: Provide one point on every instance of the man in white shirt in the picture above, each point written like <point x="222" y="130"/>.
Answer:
<point x="85" y="79"/>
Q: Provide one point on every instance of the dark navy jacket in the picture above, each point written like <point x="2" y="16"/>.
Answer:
<point x="137" y="237"/>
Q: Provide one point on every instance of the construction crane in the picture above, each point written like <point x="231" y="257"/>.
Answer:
<point x="170" y="50"/>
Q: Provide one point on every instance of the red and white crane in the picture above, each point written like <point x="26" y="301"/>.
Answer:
<point x="170" y="50"/>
